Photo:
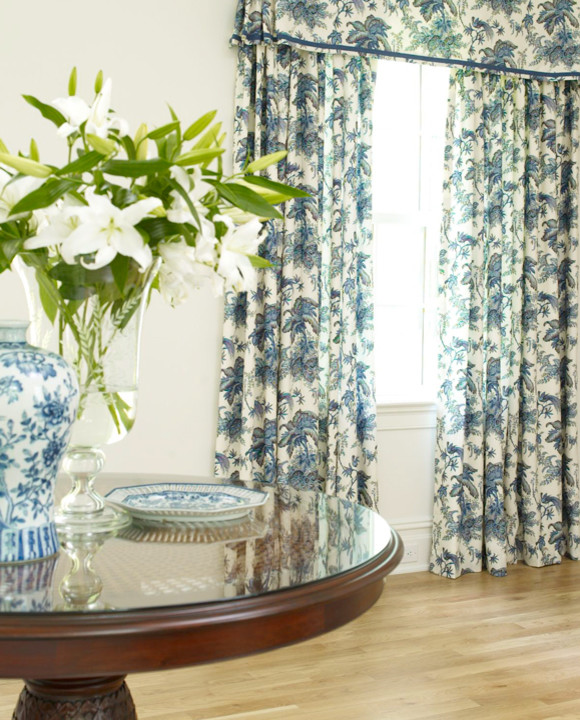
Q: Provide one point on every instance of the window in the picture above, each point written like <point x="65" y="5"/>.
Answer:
<point x="409" y="129"/>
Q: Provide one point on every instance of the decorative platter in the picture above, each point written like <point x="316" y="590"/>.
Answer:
<point x="186" y="502"/>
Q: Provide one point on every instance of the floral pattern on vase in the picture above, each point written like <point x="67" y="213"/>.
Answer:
<point x="38" y="402"/>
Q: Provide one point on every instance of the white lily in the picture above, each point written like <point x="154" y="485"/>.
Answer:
<point x="75" y="109"/>
<point x="206" y="244"/>
<point x="196" y="189"/>
<point x="239" y="241"/>
<point x="58" y="222"/>
<point x="13" y="191"/>
<point x="98" y="116"/>
<point x="183" y="269"/>
<point x="104" y="230"/>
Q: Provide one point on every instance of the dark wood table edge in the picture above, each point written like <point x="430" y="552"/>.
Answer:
<point x="121" y="641"/>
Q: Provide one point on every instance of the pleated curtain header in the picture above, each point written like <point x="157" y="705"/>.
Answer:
<point x="525" y="37"/>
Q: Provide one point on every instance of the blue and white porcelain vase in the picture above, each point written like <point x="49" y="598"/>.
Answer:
<point x="38" y="404"/>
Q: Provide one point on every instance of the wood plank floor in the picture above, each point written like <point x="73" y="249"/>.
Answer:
<point x="477" y="648"/>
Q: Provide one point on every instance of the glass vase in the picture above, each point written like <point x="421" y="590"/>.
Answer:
<point x="99" y="334"/>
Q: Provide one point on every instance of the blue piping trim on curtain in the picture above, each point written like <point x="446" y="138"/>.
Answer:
<point x="285" y="39"/>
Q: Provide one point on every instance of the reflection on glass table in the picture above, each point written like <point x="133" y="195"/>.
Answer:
<point x="295" y="537"/>
<point x="81" y="587"/>
<point x="157" y="596"/>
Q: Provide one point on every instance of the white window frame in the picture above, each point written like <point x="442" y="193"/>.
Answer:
<point x="429" y="224"/>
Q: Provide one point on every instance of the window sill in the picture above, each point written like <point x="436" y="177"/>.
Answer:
<point x="396" y="404"/>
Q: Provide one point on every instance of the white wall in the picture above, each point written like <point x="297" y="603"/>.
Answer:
<point x="175" y="52"/>
<point x="406" y="441"/>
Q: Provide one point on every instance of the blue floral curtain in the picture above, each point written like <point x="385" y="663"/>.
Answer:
<point x="506" y="458"/>
<point x="515" y="36"/>
<point x="297" y="387"/>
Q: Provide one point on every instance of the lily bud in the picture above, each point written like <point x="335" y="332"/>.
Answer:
<point x="141" y="142"/>
<point x="101" y="145"/>
<point x="99" y="82"/>
<point x="25" y="166"/>
<point x="34" y="150"/>
<point x="72" y="82"/>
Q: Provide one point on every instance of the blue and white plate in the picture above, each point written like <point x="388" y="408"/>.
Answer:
<point x="186" y="501"/>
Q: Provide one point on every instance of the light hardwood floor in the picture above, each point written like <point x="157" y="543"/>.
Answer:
<point x="471" y="649"/>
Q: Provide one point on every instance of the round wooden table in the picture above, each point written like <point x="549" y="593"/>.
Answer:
<point x="154" y="598"/>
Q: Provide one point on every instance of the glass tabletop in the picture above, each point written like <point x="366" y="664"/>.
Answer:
<point x="293" y="538"/>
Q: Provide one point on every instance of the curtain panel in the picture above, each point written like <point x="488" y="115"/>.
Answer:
<point x="297" y="386"/>
<point x="514" y="36"/>
<point x="507" y="457"/>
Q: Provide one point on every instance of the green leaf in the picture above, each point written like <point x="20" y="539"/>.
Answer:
<point x="68" y="274"/>
<point x="259" y="262"/>
<point x="9" y="249"/>
<point x="100" y="276"/>
<point x="199" y="125"/>
<point x="107" y="292"/>
<point x="181" y="191"/>
<point x="164" y="130"/>
<point x="47" y="194"/>
<point x="49" y="295"/>
<point x="161" y="146"/>
<point x="47" y="111"/>
<point x="72" y="82"/>
<point x="129" y="147"/>
<point x="37" y="259"/>
<point x="75" y="292"/>
<point x="82" y="164"/>
<point x="264" y="162"/>
<point x="195" y="157"/>
<point x="48" y="303"/>
<point x="245" y="199"/>
<point x="276" y="187"/>
<point x="171" y="144"/>
<point x="209" y="138"/>
<point x="121" y="196"/>
<point x="120" y="269"/>
<point x="77" y="282"/>
<point x="158" y="229"/>
<point x="136" y="168"/>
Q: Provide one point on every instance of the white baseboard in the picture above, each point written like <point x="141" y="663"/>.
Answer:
<point x="416" y="536"/>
